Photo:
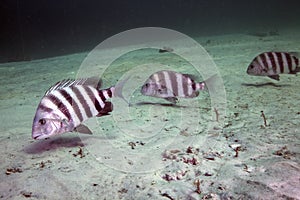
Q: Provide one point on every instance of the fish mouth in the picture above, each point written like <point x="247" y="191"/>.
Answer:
<point x="248" y="71"/>
<point x="38" y="137"/>
<point x="142" y="91"/>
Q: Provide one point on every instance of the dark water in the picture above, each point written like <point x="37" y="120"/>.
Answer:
<point x="34" y="29"/>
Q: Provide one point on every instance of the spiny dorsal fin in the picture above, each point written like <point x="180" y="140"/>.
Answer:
<point x="295" y="54"/>
<point x="190" y="76"/>
<point x="119" y="88"/>
<point x="92" y="81"/>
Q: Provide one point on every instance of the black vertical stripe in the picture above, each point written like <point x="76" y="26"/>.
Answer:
<point x="280" y="61"/>
<point x="257" y="60"/>
<point x="82" y="101"/>
<point x="77" y="111"/>
<point x="102" y="97"/>
<point x="60" y="105"/>
<point x="193" y="85"/>
<point x="185" y="86"/>
<point x="174" y="84"/>
<point x="289" y="61"/>
<point x="45" y="108"/>
<point x="91" y="96"/>
<point x="90" y="93"/>
<point x="264" y="58"/>
<point x="97" y="105"/>
<point x="272" y="61"/>
<point x="66" y="96"/>
<point x="94" y="99"/>
<point x="162" y="79"/>
<point x="109" y="93"/>
<point x="73" y="103"/>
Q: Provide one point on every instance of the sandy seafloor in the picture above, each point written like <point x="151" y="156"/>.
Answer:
<point x="131" y="155"/>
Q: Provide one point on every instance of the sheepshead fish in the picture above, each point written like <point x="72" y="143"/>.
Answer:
<point x="67" y="104"/>
<point x="272" y="64"/>
<point x="170" y="85"/>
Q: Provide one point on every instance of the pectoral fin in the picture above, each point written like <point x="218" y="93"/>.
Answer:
<point x="83" y="129"/>
<point x="172" y="99"/>
<point x="275" y="77"/>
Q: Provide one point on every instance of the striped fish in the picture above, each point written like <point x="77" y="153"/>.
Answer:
<point x="170" y="85"/>
<point x="67" y="104"/>
<point x="272" y="64"/>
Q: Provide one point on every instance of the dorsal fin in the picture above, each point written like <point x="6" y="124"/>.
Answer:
<point x="295" y="54"/>
<point x="92" y="81"/>
<point x="191" y="76"/>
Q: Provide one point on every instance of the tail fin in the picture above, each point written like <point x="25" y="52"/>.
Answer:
<point x="119" y="88"/>
<point x="297" y="56"/>
<point x="208" y="83"/>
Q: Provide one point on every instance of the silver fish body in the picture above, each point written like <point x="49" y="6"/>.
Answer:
<point x="272" y="64"/>
<point x="67" y="104"/>
<point x="170" y="85"/>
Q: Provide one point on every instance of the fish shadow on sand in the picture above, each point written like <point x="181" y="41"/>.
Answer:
<point x="159" y="104"/>
<point x="265" y="84"/>
<point x="53" y="143"/>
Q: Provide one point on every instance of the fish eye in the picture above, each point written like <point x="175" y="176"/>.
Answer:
<point x="147" y="84"/>
<point x="251" y="66"/>
<point x="42" y="121"/>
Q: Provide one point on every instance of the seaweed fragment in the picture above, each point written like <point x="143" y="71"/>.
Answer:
<point x="79" y="153"/>
<point x="197" y="184"/>
<point x="264" y="118"/>
<point x="134" y="144"/>
<point x="26" y="194"/>
<point x="42" y="164"/>
<point x="13" y="170"/>
<point x="217" y="114"/>
<point x="166" y="195"/>
<point x="284" y="152"/>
